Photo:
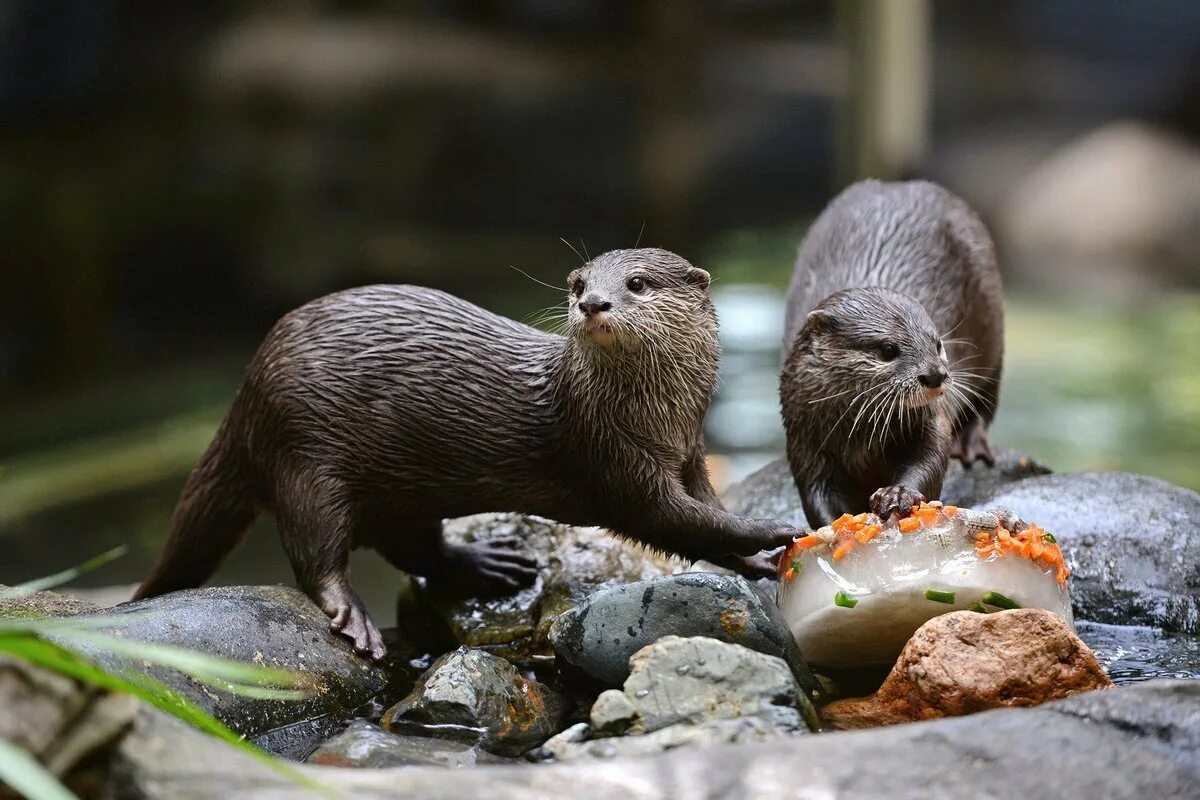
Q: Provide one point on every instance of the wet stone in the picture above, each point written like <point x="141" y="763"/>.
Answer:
<point x="366" y="745"/>
<point x="473" y="696"/>
<point x="273" y="626"/>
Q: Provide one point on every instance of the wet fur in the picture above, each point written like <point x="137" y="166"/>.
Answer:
<point x="370" y="415"/>
<point x="904" y="262"/>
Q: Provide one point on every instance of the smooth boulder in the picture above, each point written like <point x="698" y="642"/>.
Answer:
<point x="274" y="626"/>
<point x="964" y="662"/>
<point x="1132" y="543"/>
<point x="474" y="696"/>
<point x="598" y="636"/>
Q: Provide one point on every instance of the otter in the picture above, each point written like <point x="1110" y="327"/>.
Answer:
<point x="893" y="349"/>
<point x="370" y="415"/>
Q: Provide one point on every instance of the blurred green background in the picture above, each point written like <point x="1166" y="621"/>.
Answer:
<point x="175" y="176"/>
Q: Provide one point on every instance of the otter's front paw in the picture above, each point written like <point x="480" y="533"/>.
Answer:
<point x="759" y="565"/>
<point x="897" y="500"/>
<point x="497" y="563"/>
<point x="766" y="534"/>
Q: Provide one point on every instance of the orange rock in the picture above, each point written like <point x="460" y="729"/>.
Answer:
<point x="964" y="662"/>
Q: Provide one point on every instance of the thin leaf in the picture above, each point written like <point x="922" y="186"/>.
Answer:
<point x="65" y="576"/>
<point x="27" y="777"/>
<point x="48" y="655"/>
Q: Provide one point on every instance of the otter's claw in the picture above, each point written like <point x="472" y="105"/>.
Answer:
<point x="348" y="616"/>
<point x="498" y="563"/>
<point x="972" y="444"/>
<point x="897" y="500"/>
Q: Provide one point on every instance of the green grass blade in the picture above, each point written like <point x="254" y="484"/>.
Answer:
<point x="65" y="576"/>
<point x="27" y="777"/>
<point x="27" y="646"/>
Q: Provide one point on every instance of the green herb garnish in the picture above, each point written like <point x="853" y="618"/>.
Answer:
<point x="938" y="596"/>
<point x="1049" y="537"/>
<point x="999" y="601"/>
<point x="844" y="600"/>
<point x="978" y="607"/>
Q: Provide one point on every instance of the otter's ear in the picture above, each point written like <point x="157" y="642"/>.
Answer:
<point x="697" y="277"/>
<point x="819" y="321"/>
<point x="571" y="278"/>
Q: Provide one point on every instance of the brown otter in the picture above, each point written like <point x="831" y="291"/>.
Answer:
<point x="369" y="415"/>
<point x="894" y="343"/>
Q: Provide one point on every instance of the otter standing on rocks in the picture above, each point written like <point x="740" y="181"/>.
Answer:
<point x="894" y="343"/>
<point x="369" y="415"/>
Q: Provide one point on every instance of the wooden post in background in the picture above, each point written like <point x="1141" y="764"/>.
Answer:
<point x="885" y="119"/>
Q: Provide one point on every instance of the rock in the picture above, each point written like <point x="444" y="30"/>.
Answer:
<point x="1132" y="543"/>
<point x="696" y="679"/>
<point x="966" y="486"/>
<point x="43" y="604"/>
<point x="771" y="492"/>
<point x="739" y="730"/>
<point x="613" y="713"/>
<point x="59" y="721"/>
<point x="1132" y="742"/>
<point x="572" y="562"/>
<point x="267" y="625"/>
<point x="366" y="745"/>
<point x="1113" y="210"/>
<point x="475" y="696"/>
<point x="964" y="662"/>
<point x="598" y="636"/>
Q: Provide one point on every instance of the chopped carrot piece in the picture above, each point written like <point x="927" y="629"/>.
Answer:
<point x="791" y="573"/>
<point x="950" y="510"/>
<point x="909" y="524"/>
<point x="810" y="541"/>
<point x="842" y="549"/>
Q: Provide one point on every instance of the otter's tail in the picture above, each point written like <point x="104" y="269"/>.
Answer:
<point x="214" y="511"/>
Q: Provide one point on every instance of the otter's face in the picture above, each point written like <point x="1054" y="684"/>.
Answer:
<point x="630" y="298"/>
<point x="880" y="346"/>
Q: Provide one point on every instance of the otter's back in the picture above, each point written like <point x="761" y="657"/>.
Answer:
<point x="385" y="381"/>
<point x="913" y="237"/>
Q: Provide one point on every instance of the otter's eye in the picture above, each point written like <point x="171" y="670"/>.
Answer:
<point x="888" y="351"/>
<point x="636" y="285"/>
<point x="577" y="288"/>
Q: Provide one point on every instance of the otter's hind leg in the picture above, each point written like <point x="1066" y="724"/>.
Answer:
<point x="418" y="546"/>
<point x="315" y="522"/>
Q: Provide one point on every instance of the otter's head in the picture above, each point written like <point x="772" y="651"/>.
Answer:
<point x="631" y="299"/>
<point x="877" y="346"/>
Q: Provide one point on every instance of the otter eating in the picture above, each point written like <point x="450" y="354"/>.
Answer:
<point x="370" y="415"/>
<point x="893" y="349"/>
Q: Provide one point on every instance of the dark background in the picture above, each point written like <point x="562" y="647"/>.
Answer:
<point x="174" y="176"/>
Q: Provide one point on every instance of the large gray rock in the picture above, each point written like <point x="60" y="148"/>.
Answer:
<point x="771" y="492"/>
<point x="571" y="563"/>
<point x="1133" y="742"/>
<point x="273" y="626"/>
<point x="475" y="696"/>
<point x="1132" y="543"/>
<point x="366" y="745"/>
<point x="598" y="636"/>
<point x="738" y="730"/>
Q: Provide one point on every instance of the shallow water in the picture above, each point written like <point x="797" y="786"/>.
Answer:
<point x="1135" y="654"/>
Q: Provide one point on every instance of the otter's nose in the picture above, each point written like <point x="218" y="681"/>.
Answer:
<point x="593" y="304"/>
<point x="933" y="378"/>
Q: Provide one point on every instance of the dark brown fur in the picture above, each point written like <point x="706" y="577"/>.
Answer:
<point x="907" y="266"/>
<point x="370" y="415"/>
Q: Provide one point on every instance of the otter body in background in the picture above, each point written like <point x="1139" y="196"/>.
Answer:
<point x="893" y="348"/>
<point x="369" y="415"/>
